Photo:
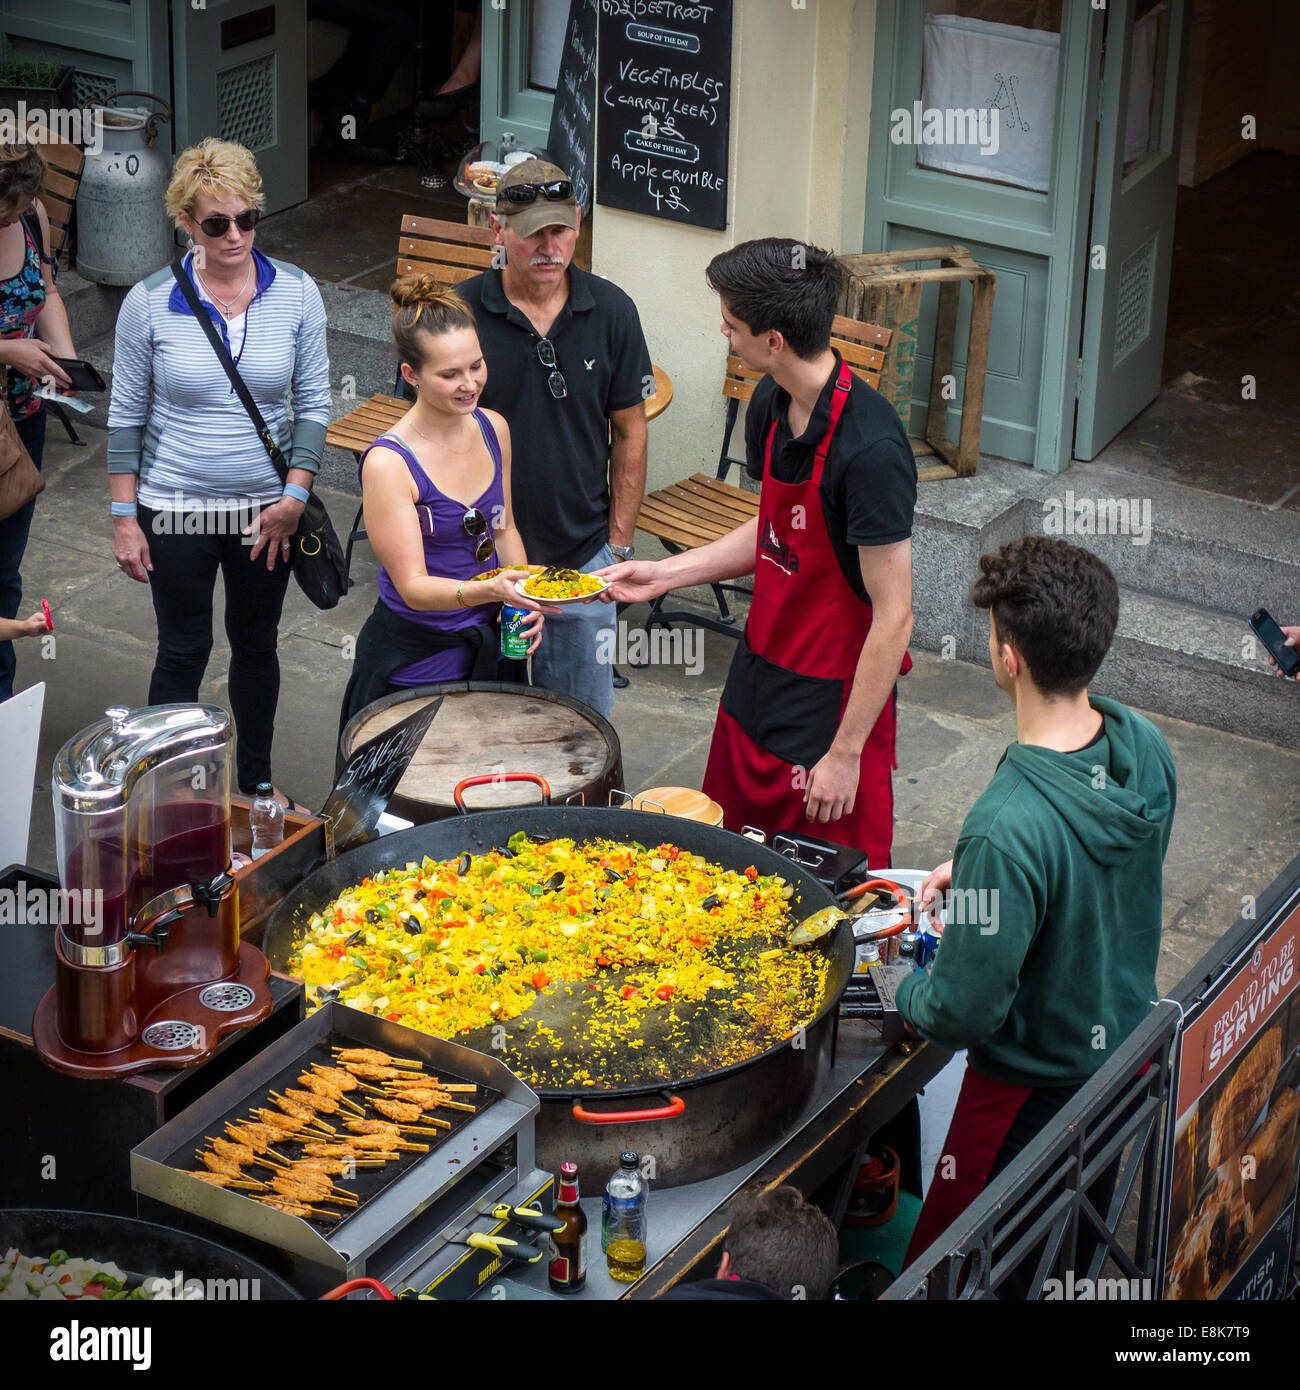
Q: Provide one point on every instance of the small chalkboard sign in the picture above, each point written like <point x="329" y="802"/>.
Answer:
<point x="571" y="142"/>
<point x="369" y="778"/>
<point x="665" y="110"/>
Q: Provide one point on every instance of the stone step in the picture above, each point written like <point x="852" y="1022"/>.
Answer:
<point x="1202" y="666"/>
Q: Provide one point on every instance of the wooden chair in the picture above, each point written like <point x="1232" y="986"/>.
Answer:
<point x="58" y="192"/>
<point x="451" y="252"/>
<point x="700" y="509"/>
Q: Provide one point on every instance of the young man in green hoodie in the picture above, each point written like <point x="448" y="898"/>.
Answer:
<point x="1048" y="958"/>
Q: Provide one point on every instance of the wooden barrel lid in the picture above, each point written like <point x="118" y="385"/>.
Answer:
<point x="680" y="801"/>
<point x="483" y="728"/>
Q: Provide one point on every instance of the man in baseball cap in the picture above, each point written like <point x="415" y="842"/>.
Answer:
<point x="569" y="368"/>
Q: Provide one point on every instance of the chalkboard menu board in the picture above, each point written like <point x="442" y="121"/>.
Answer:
<point x="665" y="106"/>
<point x="571" y="142"/>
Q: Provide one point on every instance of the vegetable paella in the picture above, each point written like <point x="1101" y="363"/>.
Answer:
<point x="642" y="945"/>
<point x="555" y="583"/>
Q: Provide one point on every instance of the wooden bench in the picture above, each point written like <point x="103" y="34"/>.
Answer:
<point x="699" y="510"/>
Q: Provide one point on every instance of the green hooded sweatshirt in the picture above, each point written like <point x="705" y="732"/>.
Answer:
<point x="1048" y="958"/>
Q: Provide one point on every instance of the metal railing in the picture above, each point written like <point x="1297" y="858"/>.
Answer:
<point x="1036" y="1221"/>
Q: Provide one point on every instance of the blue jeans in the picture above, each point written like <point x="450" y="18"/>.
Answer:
<point x="13" y="542"/>
<point x="567" y="658"/>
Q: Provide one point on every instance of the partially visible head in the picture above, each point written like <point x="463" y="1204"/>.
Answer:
<point x="437" y="343"/>
<point x="778" y="296"/>
<point x="216" y="179"/>
<point x="540" y="232"/>
<point x="779" y="1239"/>
<point x="1053" y="609"/>
<point x="22" y="171"/>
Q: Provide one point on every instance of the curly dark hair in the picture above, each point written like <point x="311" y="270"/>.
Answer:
<point x="22" y="171"/>
<point x="1056" y="603"/>
<point x="779" y="1239"/>
<point x="782" y="284"/>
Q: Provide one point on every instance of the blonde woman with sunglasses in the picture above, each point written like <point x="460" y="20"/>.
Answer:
<point x="194" y="492"/>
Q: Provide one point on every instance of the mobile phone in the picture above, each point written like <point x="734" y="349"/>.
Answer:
<point x="45" y="609"/>
<point x="1272" y="636"/>
<point x="84" y="376"/>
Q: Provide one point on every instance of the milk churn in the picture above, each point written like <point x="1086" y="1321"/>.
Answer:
<point x="123" y="231"/>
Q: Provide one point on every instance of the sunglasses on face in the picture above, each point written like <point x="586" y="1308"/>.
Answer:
<point x="557" y="191"/>
<point x="546" y="356"/>
<point x="218" y="225"/>
<point x="475" y="524"/>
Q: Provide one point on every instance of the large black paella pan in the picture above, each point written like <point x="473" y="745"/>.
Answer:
<point x="692" y="1094"/>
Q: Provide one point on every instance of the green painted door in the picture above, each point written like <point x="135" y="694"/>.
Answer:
<point x="240" y="71"/>
<point x="1022" y="209"/>
<point x="1134" y="198"/>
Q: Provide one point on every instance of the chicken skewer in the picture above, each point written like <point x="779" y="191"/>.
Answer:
<point x="298" y="1209"/>
<point x="369" y="1071"/>
<point x="339" y="1075"/>
<point x="328" y="1090"/>
<point x="406" y="1113"/>
<point x="390" y="1134"/>
<point x="221" y="1180"/>
<point x="345" y="1150"/>
<point x="453" y="1087"/>
<point x="258" y="1137"/>
<point x="295" y="1126"/>
<point x="214" y="1163"/>
<point x="308" y="1187"/>
<point x="326" y="1105"/>
<point x="373" y="1056"/>
<point x="386" y="1127"/>
<point x="428" y="1100"/>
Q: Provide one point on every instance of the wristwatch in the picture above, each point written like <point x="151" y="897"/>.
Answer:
<point x="624" y="552"/>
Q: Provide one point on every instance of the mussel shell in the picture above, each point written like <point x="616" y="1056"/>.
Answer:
<point x="355" y="937"/>
<point x="462" y="868"/>
<point x="504" y="851"/>
<point x="412" y="925"/>
<point x="555" y="881"/>
<point x="710" y="902"/>
<point x="613" y="877"/>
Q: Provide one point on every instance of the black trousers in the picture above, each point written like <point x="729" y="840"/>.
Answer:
<point x="184" y="577"/>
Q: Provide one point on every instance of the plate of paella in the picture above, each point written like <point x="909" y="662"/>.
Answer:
<point x="557" y="585"/>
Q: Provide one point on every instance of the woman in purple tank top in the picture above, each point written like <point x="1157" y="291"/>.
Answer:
<point x="436" y="491"/>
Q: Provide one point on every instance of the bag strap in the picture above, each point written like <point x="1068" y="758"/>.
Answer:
<point x="273" y="450"/>
<point x="32" y="222"/>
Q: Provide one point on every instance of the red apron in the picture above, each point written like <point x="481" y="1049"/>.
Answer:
<point x="793" y="673"/>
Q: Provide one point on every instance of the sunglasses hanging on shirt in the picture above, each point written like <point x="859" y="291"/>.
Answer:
<point x="475" y="524"/>
<point x="220" y="224"/>
<point x="546" y="356"/>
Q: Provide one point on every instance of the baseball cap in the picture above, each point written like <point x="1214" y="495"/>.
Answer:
<point x="527" y="218"/>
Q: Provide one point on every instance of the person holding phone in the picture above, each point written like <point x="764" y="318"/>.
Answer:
<point x="1292" y="635"/>
<point x="33" y="332"/>
<point x="436" y="492"/>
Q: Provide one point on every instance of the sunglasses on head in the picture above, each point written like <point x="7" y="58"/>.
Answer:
<point x="556" y="191"/>
<point x="220" y="224"/>
<point x="475" y="524"/>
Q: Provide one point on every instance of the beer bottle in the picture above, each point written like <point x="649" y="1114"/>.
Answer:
<point x="567" y="1271"/>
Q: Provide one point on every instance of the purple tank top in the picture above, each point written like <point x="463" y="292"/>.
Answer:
<point x="448" y="547"/>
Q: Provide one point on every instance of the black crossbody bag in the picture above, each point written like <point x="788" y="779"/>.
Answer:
<point x="316" y="557"/>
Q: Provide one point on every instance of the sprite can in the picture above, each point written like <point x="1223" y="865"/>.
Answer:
<point x="514" y="640"/>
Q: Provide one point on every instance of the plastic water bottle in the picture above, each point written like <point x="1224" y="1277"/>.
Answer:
<point x="623" y="1223"/>
<point x="266" y="817"/>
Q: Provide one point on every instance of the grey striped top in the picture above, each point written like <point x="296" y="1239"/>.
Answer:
<point x="174" y="417"/>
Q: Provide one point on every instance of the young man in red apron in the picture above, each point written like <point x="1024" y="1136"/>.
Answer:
<point x="805" y="733"/>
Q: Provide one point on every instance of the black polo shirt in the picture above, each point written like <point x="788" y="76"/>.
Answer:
<point x="868" y="489"/>
<point x="560" y="465"/>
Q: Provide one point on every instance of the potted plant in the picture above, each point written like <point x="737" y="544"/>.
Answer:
<point x="43" y="83"/>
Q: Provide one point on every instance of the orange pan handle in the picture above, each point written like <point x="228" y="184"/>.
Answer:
<point x="674" y="1107"/>
<point x="484" y="778"/>
<point x="352" y="1285"/>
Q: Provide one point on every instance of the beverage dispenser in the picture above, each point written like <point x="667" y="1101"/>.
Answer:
<point x="149" y="967"/>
